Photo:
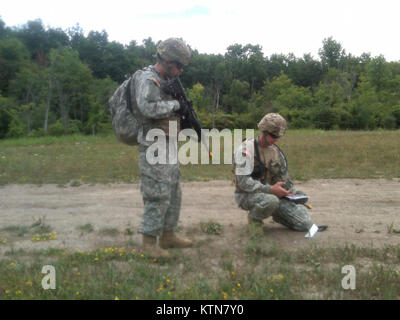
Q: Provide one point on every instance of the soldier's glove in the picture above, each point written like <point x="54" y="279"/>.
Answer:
<point x="184" y="107"/>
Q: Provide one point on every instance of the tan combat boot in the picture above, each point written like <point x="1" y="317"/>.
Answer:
<point x="151" y="248"/>
<point x="170" y="240"/>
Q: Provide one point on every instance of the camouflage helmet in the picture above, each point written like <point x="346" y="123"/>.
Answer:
<point x="174" y="49"/>
<point x="273" y="123"/>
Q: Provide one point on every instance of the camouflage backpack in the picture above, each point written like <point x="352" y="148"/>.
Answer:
<point x="125" y="115"/>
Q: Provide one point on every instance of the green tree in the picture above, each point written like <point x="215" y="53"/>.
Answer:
<point x="99" y="119"/>
<point x="305" y="71"/>
<point x="71" y="82"/>
<point x="331" y="53"/>
<point x="6" y="104"/>
<point x="366" y="110"/>
<point x="13" y="57"/>
<point x="235" y="100"/>
<point x="334" y="89"/>
<point x="378" y="72"/>
<point x="222" y="80"/>
<point x="3" y="29"/>
<point x="276" y="65"/>
<point x="28" y="89"/>
<point x="273" y="88"/>
<point x="197" y="94"/>
<point x="247" y="63"/>
<point x="33" y="35"/>
<point x="116" y="61"/>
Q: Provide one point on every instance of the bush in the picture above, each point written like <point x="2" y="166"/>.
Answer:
<point x="326" y="118"/>
<point x="389" y="121"/>
<point x="396" y="114"/>
<point x="36" y="133"/>
<point x="16" y="129"/>
<point x="74" y="127"/>
<point x="56" y="129"/>
<point x="5" y="117"/>
<point x="245" y="121"/>
<point x="297" y="119"/>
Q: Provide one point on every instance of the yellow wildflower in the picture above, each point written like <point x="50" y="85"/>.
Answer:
<point x="277" y="277"/>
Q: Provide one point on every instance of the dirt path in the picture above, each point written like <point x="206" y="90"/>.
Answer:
<point x="359" y="212"/>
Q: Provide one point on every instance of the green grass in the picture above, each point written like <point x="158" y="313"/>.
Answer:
<point x="37" y="227"/>
<point x="343" y="154"/>
<point x="252" y="268"/>
<point x="211" y="227"/>
<point x="87" y="228"/>
<point x="268" y="273"/>
<point x="88" y="159"/>
<point x="61" y="160"/>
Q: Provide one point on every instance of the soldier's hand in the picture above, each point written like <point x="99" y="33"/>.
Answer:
<point x="278" y="190"/>
<point x="184" y="108"/>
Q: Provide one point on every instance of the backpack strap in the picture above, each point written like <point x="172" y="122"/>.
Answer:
<point x="257" y="153"/>
<point x="260" y="164"/>
<point x="128" y="94"/>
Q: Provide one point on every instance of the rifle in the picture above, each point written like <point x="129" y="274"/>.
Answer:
<point x="174" y="88"/>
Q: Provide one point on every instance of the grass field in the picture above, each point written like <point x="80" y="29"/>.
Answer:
<point x="86" y="159"/>
<point x="255" y="270"/>
<point x="123" y="272"/>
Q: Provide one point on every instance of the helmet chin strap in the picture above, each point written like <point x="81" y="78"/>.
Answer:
<point x="167" y="67"/>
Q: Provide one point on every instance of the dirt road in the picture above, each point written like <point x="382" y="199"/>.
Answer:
<point x="360" y="212"/>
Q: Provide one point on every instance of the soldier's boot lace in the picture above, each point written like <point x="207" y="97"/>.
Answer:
<point x="170" y="240"/>
<point x="150" y="247"/>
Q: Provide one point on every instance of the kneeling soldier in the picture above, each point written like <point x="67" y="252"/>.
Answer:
<point x="262" y="190"/>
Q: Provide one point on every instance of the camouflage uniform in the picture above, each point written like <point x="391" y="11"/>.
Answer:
<point x="159" y="182"/>
<point x="253" y="194"/>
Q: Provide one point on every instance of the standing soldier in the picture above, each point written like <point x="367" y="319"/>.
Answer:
<point x="262" y="191"/>
<point x="160" y="186"/>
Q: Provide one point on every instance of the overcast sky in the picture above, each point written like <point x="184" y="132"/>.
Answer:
<point x="210" y="26"/>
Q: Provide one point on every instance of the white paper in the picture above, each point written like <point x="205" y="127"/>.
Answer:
<point x="296" y="197"/>
<point x="313" y="230"/>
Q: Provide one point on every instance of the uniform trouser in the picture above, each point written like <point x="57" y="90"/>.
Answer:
<point x="161" y="194"/>
<point x="283" y="211"/>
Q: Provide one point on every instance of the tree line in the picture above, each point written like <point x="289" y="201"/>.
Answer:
<point x="55" y="82"/>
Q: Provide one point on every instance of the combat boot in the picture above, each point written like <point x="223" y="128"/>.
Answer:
<point x="255" y="222"/>
<point x="170" y="240"/>
<point x="151" y="248"/>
